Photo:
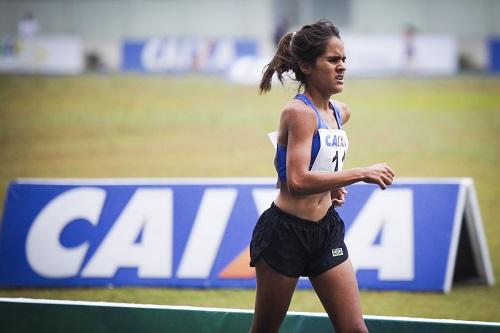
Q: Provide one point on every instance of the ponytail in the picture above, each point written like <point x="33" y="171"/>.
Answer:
<point x="283" y="61"/>
<point x="308" y="44"/>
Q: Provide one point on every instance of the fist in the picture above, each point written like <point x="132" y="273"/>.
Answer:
<point x="380" y="174"/>
<point x="338" y="196"/>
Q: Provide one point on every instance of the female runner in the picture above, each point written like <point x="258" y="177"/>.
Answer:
<point x="301" y="234"/>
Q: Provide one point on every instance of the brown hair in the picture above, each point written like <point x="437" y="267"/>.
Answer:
<point x="305" y="45"/>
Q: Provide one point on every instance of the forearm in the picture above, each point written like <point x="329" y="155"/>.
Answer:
<point x="311" y="182"/>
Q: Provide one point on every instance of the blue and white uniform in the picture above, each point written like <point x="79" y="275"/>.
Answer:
<point x="329" y="146"/>
<point x="294" y="246"/>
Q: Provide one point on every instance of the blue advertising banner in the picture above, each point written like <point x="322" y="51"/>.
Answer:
<point x="494" y="55"/>
<point x="184" y="55"/>
<point x="196" y="232"/>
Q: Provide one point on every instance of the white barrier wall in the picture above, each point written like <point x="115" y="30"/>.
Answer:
<point x="366" y="55"/>
<point x="47" y="55"/>
<point x="392" y="54"/>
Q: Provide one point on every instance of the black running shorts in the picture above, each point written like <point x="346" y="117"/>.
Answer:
<point x="297" y="247"/>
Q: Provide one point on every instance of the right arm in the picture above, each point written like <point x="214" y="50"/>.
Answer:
<point x="300" y="126"/>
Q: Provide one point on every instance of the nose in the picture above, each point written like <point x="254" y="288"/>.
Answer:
<point x="341" y="67"/>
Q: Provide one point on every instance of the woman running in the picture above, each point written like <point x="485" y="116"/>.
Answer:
<point x="301" y="234"/>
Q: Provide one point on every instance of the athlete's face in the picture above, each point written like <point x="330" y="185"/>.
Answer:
<point x="327" y="73"/>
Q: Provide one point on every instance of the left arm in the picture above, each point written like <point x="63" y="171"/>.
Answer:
<point x="344" y="112"/>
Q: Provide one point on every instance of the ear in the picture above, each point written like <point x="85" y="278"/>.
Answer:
<point x="305" y="67"/>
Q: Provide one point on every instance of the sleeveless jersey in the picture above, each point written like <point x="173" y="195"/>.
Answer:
<point x="328" y="149"/>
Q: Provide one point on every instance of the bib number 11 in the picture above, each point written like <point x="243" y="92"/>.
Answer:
<point x="336" y="160"/>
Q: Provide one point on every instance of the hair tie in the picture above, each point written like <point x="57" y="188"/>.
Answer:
<point x="293" y="35"/>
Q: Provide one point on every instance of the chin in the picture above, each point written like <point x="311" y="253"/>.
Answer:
<point x="338" y="89"/>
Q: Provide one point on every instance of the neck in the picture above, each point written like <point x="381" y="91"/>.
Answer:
<point x="317" y="98"/>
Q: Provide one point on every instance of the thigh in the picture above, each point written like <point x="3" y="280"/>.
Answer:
<point x="338" y="291"/>
<point x="273" y="295"/>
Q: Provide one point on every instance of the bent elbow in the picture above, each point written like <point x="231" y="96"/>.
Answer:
<point x="296" y="185"/>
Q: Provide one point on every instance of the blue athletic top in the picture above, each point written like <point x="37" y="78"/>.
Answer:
<point x="280" y="159"/>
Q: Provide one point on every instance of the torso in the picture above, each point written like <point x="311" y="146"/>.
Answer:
<point x="327" y="155"/>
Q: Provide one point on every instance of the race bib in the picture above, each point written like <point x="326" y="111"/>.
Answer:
<point x="333" y="150"/>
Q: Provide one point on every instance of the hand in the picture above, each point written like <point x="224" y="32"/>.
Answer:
<point x="380" y="174"/>
<point x="338" y="196"/>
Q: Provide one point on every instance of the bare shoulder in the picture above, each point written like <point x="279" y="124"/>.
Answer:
<point x="344" y="111"/>
<point x="297" y="122"/>
<point x="296" y="113"/>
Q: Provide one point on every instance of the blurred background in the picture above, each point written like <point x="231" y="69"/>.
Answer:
<point x="164" y="88"/>
<point x="103" y="35"/>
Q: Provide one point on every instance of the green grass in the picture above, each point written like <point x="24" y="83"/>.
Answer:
<point x="153" y="126"/>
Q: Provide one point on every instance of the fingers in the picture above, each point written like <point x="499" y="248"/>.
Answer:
<point x="338" y="202"/>
<point x="386" y="179"/>
<point x="393" y="174"/>
<point x="341" y="191"/>
<point x="384" y="182"/>
<point x="338" y="196"/>
<point x="382" y="185"/>
<point x="385" y="176"/>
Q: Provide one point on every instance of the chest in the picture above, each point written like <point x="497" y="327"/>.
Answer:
<point x="329" y="150"/>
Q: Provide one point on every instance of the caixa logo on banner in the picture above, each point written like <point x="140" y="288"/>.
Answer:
<point x="182" y="54"/>
<point x="197" y="234"/>
<point x="149" y="217"/>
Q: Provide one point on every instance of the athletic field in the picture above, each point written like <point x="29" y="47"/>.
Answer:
<point x="153" y="126"/>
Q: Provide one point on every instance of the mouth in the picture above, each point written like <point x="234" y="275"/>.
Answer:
<point x="339" y="78"/>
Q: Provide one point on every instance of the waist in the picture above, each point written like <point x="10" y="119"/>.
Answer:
<point x="302" y="221"/>
<point x="308" y="207"/>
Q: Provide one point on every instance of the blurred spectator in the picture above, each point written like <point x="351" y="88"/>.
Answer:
<point x="409" y="45"/>
<point x="27" y="25"/>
